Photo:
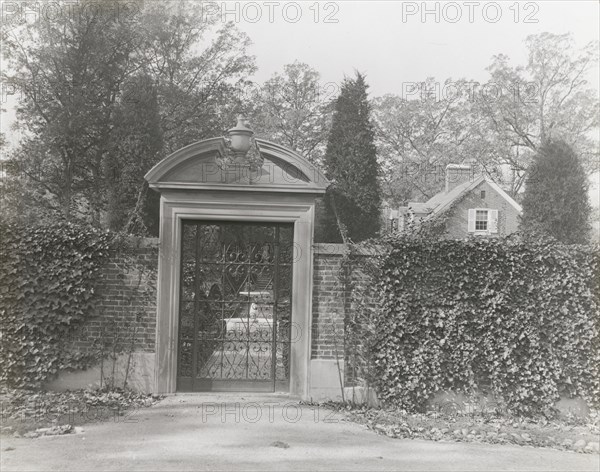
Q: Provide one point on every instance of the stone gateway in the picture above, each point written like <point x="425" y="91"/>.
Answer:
<point x="235" y="271"/>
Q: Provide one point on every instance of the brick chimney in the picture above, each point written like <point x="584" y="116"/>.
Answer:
<point x="457" y="174"/>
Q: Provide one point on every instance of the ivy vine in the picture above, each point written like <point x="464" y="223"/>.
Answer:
<point x="514" y="318"/>
<point x="47" y="280"/>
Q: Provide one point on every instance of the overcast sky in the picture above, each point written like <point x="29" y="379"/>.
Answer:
<point x="392" y="42"/>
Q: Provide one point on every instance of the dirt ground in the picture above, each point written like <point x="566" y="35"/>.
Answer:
<point x="260" y="432"/>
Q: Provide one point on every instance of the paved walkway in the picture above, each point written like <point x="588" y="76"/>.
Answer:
<point x="257" y="432"/>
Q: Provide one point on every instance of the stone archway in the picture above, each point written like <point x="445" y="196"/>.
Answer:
<point x="218" y="181"/>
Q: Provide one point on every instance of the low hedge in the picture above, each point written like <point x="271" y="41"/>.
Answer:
<point x="513" y="318"/>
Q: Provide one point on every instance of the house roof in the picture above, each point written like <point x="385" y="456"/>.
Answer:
<point x="442" y="201"/>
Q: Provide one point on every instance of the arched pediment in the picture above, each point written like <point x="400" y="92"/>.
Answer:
<point x="199" y="166"/>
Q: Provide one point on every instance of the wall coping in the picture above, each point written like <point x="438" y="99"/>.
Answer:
<point x="330" y="249"/>
<point x="339" y="249"/>
<point x="142" y="242"/>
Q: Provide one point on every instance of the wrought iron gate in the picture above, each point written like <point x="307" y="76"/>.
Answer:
<point x="235" y="306"/>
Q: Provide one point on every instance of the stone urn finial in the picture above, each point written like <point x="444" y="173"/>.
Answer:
<point x="241" y="137"/>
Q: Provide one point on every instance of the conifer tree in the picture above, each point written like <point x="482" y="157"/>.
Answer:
<point x="556" y="198"/>
<point x="351" y="165"/>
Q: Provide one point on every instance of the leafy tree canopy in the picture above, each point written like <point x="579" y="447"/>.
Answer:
<point x="499" y="124"/>
<point x="294" y="109"/>
<point x="104" y="96"/>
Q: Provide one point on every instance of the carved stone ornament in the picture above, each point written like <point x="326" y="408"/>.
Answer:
<point x="241" y="148"/>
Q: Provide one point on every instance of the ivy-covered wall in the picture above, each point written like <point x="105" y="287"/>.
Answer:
<point x="119" y="336"/>
<point x="125" y="308"/>
<point x="70" y="298"/>
<point x="48" y="276"/>
<point x="514" y="319"/>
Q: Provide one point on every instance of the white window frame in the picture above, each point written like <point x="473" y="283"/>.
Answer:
<point x="484" y="220"/>
<point x="492" y="221"/>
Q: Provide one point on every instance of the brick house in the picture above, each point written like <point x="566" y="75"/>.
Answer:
<point x="471" y="205"/>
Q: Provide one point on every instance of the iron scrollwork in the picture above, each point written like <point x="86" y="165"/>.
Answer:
<point x="235" y="314"/>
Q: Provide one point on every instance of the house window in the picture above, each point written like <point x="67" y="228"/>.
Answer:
<point x="481" y="220"/>
<point x="483" y="194"/>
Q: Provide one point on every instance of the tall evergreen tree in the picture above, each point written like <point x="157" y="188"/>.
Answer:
<point x="351" y="165"/>
<point x="556" y="198"/>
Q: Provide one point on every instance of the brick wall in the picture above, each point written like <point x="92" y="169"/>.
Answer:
<point x="329" y="304"/>
<point x="126" y="301"/>
<point x="127" y="298"/>
<point x="337" y="294"/>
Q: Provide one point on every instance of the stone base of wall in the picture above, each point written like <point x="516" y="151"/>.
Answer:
<point x="572" y="407"/>
<point x="325" y="380"/>
<point x="458" y="403"/>
<point x="140" y="378"/>
<point x="362" y="396"/>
